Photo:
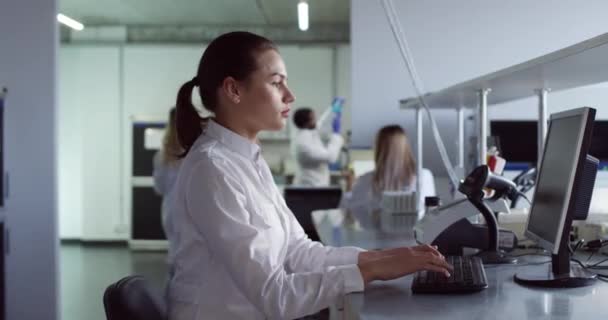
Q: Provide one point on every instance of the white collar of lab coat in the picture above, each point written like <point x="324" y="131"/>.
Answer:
<point x="232" y="140"/>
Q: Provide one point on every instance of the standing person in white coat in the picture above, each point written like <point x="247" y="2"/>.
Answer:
<point x="395" y="170"/>
<point x="240" y="253"/>
<point x="312" y="155"/>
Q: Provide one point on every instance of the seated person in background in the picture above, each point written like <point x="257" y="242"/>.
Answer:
<point x="312" y="155"/>
<point x="395" y="170"/>
<point x="166" y="164"/>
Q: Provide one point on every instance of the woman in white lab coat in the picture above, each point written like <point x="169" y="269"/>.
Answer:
<point x="312" y="155"/>
<point x="166" y="164"/>
<point x="240" y="253"/>
<point x="395" y="170"/>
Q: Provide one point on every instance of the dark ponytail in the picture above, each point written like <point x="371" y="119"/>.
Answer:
<point x="188" y="121"/>
<point x="229" y="55"/>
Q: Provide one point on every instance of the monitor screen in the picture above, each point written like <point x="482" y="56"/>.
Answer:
<point x="599" y="141"/>
<point x="555" y="180"/>
<point x="518" y="142"/>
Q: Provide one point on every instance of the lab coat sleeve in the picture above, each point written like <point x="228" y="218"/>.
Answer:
<point x="317" y="152"/>
<point x="160" y="174"/>
<point x="217" y="204"/>
<point x="323" y="119"/>
<point x="305" y="255"/>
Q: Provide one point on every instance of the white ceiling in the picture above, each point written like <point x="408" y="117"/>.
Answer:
<point x="204" y="12"/>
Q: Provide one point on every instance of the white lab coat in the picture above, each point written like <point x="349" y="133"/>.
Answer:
<point x="240" y="253"/>
<point x="165" y="176"/>
<point x="363" y="196"/>
<point x="313" y="157"/>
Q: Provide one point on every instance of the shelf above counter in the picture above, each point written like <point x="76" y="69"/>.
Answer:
<point x="581" y="64"/>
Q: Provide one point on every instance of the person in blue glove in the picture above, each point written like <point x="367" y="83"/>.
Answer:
<point x="336" y="108"/>
<point x="335" y="123"/>
<point x="312" y="155"/>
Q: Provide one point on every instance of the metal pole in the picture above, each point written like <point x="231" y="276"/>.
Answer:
<point x="542" y="121"/>
<point x="461" y="137"/>
<point x="419" y="153"/>
<point x="483" y="125"/>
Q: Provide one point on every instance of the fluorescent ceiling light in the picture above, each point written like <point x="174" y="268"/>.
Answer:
<point x="70" y="22"/>
<point x="303" y="15"/>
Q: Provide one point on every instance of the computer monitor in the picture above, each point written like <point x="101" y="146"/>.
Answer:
<point x="563" y="193"/>
<point x="518" y="143"/>
<point x="516" y="140"/>
<point x="599" y="143"/>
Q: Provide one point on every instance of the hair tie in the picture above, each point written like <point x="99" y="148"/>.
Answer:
<point x="194" y="81"/>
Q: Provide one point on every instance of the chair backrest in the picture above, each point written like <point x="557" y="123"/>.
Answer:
<point x="132" y="298"/>
<point x="303" y="200"/>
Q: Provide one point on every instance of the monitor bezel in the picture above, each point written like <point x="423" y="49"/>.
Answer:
<point x="583" y="143"/>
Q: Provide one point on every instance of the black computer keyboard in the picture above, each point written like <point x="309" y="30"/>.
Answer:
<point x="468" y="276"/>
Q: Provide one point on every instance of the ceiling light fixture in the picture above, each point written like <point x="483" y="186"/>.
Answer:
<point x="70" y="22"/>
<point x="303" y="15"/>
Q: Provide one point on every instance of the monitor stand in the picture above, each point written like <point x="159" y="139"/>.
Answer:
<point x="577" y="277"/>
<point x="561" y="274"/>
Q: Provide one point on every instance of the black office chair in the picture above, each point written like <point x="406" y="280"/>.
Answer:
<point x="303" y="200"/>
<point x="132" y="298"/>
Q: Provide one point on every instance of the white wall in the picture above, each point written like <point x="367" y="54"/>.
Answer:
<point x="153" y="74"/>
<point x="310" y="75"/>
<point x="453" y="41"/>
<point x="103" y="87"/>
<point x="28" y="41"/>
<point x="344" y="83"/>
<point x="101" y="161"/>
<point x="69" y="156"/>
<point x="89" y="160"/>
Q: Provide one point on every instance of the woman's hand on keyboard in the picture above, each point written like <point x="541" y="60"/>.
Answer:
<point x="395" y="263"/>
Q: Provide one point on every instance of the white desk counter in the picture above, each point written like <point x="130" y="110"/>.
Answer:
<point x="504" y="299"/>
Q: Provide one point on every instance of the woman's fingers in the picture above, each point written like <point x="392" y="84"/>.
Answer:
<point x="434" y="268"/>
<point x="430" y="250"/>
<point x="427" y="248"/>
<point x="429" y="258"/>
<point x="419" y="249"/>
<point x="440" y="262"/>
